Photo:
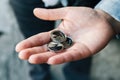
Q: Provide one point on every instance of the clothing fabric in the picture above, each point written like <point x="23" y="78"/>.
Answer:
<point x="112" y="7"/>
<point x="54" y="2"/>
<point x="29" y="24"/>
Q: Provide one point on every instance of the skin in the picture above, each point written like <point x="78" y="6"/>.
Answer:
<point x="91" y="30"/>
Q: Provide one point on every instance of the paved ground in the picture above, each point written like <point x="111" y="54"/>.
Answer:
<point x="106" y="66"/>
<point x="11" y="68"/>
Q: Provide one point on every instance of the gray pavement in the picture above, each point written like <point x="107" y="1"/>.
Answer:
<point x="105" y="65"/>
<point x="11" y="68"/>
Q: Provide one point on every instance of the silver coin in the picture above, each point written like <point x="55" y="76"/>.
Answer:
<point x="58" y="36"/>
<point x="68" y="43"/>
<point x="56" y="47"/>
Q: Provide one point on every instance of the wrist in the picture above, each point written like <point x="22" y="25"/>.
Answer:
<point x="114" y="24"/>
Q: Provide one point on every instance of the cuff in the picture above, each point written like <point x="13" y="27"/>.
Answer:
<point x="111" y="7"/>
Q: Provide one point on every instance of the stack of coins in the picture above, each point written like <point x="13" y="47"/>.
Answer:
<point x="59" y="41"/>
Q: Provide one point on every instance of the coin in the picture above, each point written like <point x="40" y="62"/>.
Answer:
<point x="56" y="47"/>
<point x="58" y="36"/>
<point x="59" y="41"/>
<point x="68" y="42"/>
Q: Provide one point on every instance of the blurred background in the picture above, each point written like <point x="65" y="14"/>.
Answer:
<point x="105" y="65"/>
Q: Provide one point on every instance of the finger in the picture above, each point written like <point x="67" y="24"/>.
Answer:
<point x="25" y="54"/>
<point x="50" y="14"/>
<point x="37" y="40"/>
<point x="40" y="58"/>
<point x="76" y="52"/>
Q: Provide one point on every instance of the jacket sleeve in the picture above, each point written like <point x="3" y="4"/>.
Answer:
<point x="112" y="7"/>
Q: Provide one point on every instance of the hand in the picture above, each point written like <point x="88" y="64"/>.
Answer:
<point x="90" y="30"/>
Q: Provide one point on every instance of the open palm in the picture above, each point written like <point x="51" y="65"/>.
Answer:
<point x="89" y="29"/>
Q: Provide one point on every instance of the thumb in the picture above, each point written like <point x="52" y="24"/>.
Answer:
<point x="50" y="14"/>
